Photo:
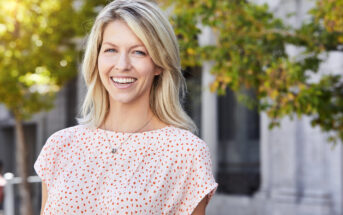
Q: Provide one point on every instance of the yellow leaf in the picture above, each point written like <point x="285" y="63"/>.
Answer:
<point x="227" y="79"/>
<point x="290" y="96"/>
<point x="190" y="51"/>
<point x="340" y="39"/>
<point x="214" y="86"/>
<point x="274" y="94"/>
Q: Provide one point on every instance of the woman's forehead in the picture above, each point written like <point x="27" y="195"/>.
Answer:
<point x="118" y="33"/>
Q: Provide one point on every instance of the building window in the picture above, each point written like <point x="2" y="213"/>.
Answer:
<point x="192" y="103"/>
<point x="238" y="147"/>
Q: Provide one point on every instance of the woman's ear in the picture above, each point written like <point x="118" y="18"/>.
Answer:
<point x="158" y="70"/>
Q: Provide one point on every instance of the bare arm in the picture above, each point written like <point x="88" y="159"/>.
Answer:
<point x="200" y="209"/>
<point x="44" y="196"/>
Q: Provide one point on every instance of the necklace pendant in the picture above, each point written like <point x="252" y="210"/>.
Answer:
<point x="114" y="150"/>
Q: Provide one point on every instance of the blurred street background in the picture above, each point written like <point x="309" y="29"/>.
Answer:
<point x="264" y="84"/>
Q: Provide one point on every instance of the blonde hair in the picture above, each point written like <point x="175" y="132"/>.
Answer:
<point x="152" y="27"/>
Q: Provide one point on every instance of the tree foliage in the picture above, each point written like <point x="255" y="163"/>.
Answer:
<point x="250" y="52"/>
<point x="38" y="52"/>
<point x="330" y="13"/>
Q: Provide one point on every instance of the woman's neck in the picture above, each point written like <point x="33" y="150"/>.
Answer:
<point x="129" y="118"/>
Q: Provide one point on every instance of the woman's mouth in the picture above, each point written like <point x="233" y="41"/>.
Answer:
<point x="124" y="82"/>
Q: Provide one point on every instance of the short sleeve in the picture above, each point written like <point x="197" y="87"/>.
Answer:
<point x="45" y="164"/>
<point x="200" y="180"/>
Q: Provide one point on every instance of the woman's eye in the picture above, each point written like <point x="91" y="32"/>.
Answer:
<point x="140" y="53"/>
<point x="109" y="50"/>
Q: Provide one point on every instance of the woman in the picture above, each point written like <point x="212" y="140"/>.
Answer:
<point x="134" y="151"/>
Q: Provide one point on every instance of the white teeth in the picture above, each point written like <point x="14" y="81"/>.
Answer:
<point x="123" y="80"/>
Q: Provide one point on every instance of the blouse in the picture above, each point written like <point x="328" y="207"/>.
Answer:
<point x="163" y="171"/>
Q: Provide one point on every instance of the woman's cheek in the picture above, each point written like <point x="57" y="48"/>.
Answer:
<point x="105" y="61"/>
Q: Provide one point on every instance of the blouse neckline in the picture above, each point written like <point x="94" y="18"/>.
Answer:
<point x="132" y="133"/>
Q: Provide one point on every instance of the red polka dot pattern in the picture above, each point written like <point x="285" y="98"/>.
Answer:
<point x="164" y="171"/>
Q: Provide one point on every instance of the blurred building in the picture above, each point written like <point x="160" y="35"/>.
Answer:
<point x="36" y="132"/>
<point x="290" y="170"/>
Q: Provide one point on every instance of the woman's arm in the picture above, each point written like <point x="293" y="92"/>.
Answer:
<point x="44" y="196"/>
<point x="200" y="209"/>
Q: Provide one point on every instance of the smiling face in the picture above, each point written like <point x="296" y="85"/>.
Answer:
<point x="126" y="70"/>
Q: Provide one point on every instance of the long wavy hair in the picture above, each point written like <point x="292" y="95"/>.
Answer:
<point x="152" y="27"/>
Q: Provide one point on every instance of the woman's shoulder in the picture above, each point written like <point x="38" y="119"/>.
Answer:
<point x="185" y="134"/>
<point x="186" y="138"/>
<point x="69" y="132"/>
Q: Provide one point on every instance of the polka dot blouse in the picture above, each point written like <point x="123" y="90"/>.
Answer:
<point x="163" y="171"/>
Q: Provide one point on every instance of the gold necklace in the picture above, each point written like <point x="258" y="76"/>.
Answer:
<point x="114" y="149"/>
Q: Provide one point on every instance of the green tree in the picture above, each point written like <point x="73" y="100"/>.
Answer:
<point x="250" y="53"/>
<point x="38" y="56"/>
<point x="330" y="13"/>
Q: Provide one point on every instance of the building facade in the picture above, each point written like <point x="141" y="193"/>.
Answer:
<point x="298" y="172"/>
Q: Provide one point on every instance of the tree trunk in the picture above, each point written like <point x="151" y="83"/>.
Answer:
<point x="21" y="158"/>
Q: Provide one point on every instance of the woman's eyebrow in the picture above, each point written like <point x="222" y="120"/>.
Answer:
<point x="131" y="47"/>
<point x="138" y="45"/>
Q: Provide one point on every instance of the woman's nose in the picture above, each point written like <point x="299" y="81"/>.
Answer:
<point x="123" y="62"/>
